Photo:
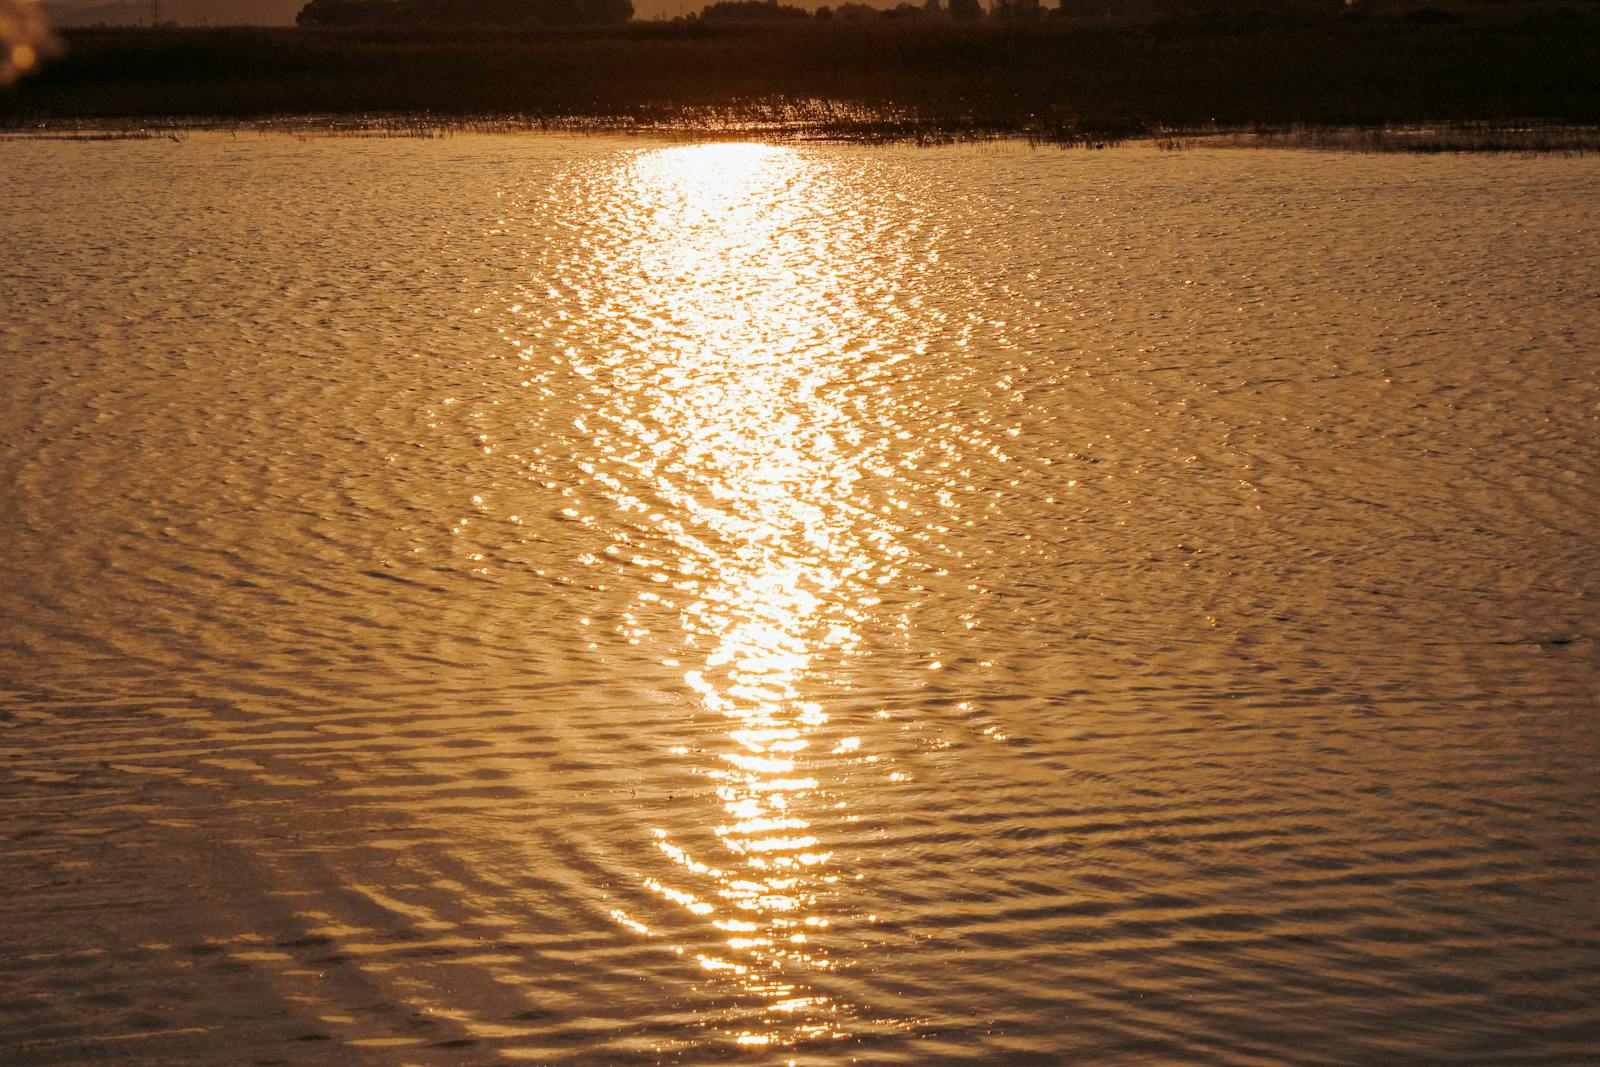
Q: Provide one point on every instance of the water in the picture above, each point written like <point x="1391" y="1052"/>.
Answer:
<point x="536" y="600"/>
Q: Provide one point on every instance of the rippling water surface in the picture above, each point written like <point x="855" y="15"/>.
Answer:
<point x="534" y="600"/>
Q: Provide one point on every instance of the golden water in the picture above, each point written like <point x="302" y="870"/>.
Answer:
<point x="536" y="600"/>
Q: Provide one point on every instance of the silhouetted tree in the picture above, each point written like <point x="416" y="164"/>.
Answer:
<point x="350" y="13"/>
<point x="1016" y="10"/>
<point x="463" y="12"/>
<point x="965" y="10"/>
<point x="751" y="11"/>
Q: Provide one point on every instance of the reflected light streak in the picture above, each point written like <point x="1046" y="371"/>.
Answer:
<point x="725" y="397"/>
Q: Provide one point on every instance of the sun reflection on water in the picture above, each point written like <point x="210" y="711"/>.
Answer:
<point x="728" y="419"/>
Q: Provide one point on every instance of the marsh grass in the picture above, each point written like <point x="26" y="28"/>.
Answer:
<point x="1377" y="84"/>
<point x="1529" y="140"/>
<point x="1516" y="139"/>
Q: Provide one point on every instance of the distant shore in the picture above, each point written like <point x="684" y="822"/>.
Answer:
<point x="1526" y="83"/>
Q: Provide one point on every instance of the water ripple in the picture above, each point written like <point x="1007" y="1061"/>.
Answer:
<point x="620" y="602"/>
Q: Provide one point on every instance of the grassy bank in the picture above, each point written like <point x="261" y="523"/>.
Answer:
<point x="1059" y="80"/>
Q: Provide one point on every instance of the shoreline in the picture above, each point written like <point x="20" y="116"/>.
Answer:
<point x="1519" y="139"/>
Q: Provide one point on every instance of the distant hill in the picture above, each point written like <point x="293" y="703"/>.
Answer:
<point x="182" y="12"/>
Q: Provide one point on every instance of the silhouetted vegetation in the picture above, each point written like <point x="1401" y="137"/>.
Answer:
<point x="1090" y="72"/>
<point x="752" y="11"/>
<point x="464" y="12"/>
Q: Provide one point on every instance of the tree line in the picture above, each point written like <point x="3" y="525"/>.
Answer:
<point x="958" y="10"/>
<point x="612" y="12"/>
<point x="464" y="12"/>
